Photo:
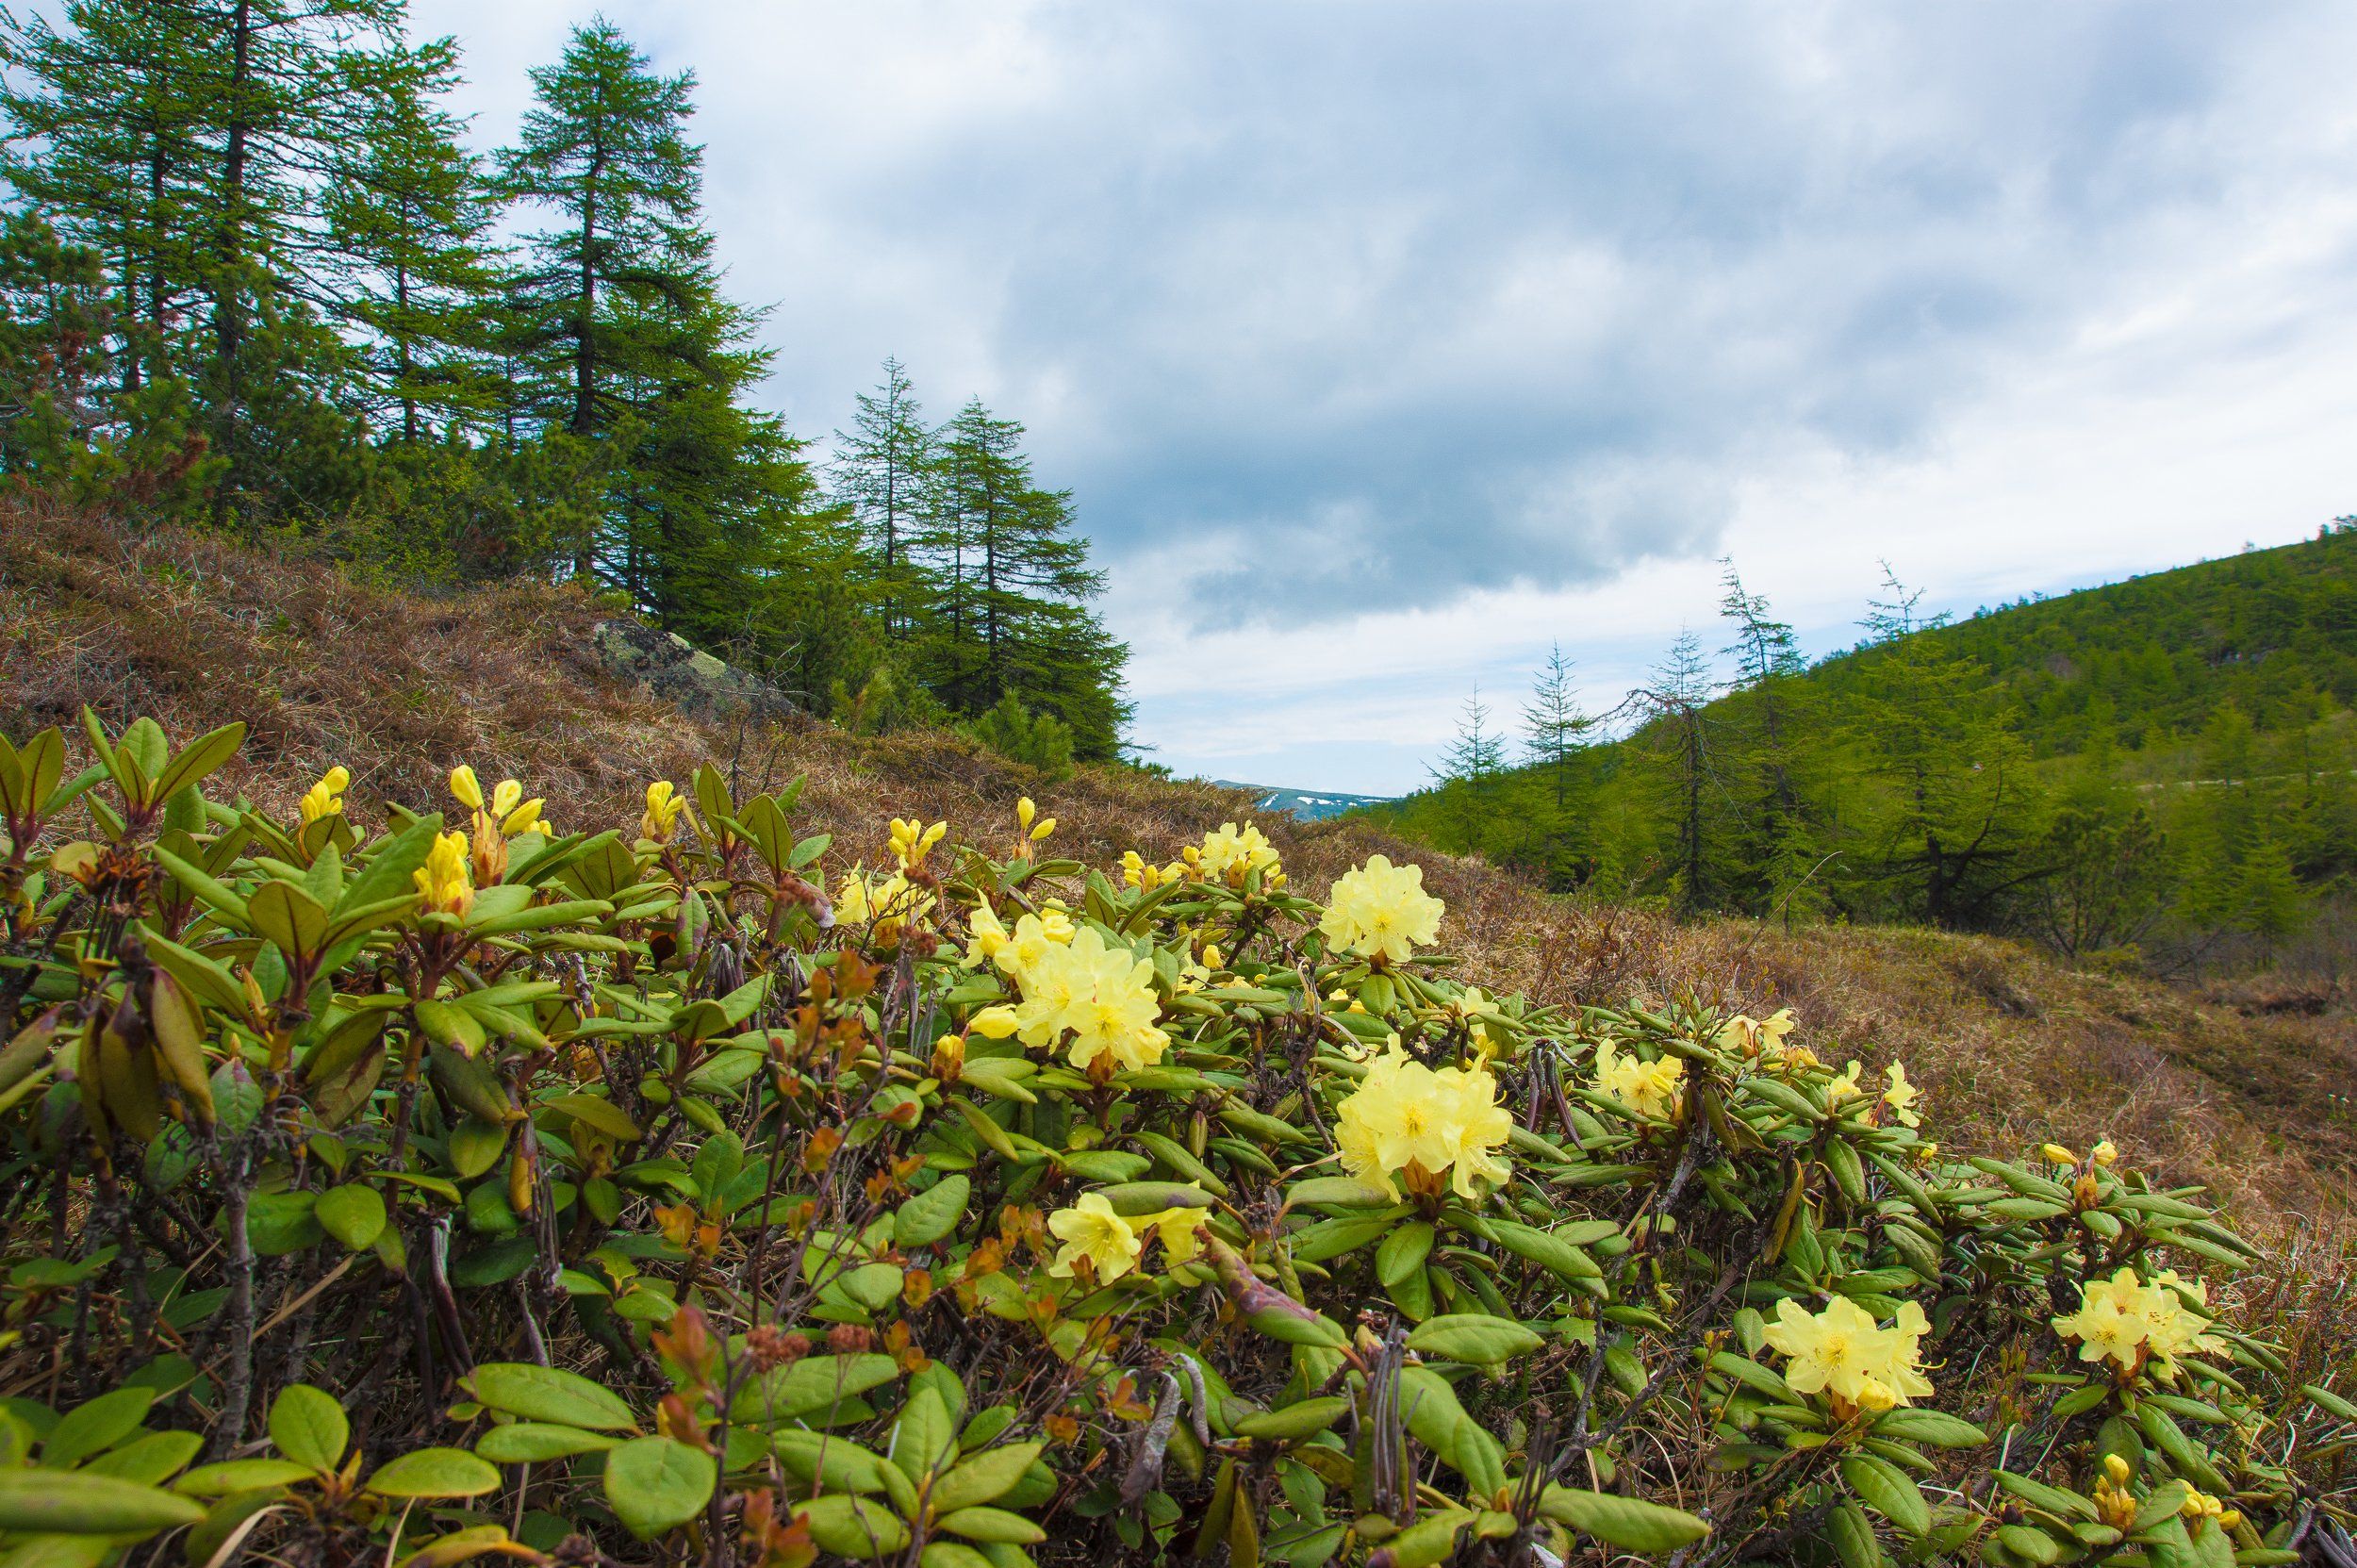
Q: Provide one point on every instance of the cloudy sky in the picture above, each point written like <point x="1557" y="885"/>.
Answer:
<point x="1387" y="344"/>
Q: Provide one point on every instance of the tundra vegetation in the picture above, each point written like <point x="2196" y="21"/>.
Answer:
<point x="427" y="1185"/>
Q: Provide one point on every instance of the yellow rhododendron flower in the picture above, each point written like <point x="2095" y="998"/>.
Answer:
<point x="1841" y="1351"/>
<point x="464" y="785"/>
<point x="1231" y="853"/>
<point x="1901" y="1095"/>
<point x="912" y="841"/>
<point x="985" y="934"/>
<point x="325" y="798"/>
<point x="2106" y="1154"/>
<point x="882" y="903"/>
<point x="1381" y="911"/>
<point x="1757" y="1036"/>
<point x="1406" y="1118"/>
<point x="664" y="805"/>
<point x="1144" y="875"/>
<point x="1090" y="1229"/>
<point x="1845" y="1087"/>
<point x="1180" y="1230"/>
<point x="1655" y="1089"/>
<point x="1018" y="951"/>
<point x="1113" y="1008"/>
<point x="446" y="880"/>
<point x="2128" y="1322"/>
<point x="1075" y="983"/>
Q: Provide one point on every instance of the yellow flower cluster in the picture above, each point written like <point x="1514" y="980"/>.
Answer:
<point x="664" y="806"/>
<point x="1901" y="1095"/>
<point x="1014" y="951"/>
<point x="912" y="841"/>
<point x="1843" y="1352"/>
<point x="325" y="798"/>
<point x="1655" y="1089"/>
<point x="1032" y="832"/>
<point x="1405" y="1117"/>
<point x="1380" y="910"/>
<point x="1111" y="1245"/>
<point x="1143" y="875"/>
<point x="1757" y="1036"/>
<point x="2126" y="1321"/>
<point x="1230" y="854"/>
<point x="504" y="812"/>
<point x="1100" y="993"/>
<point x="445" y="881"/>
<point x="2115" y="1504"/>
<point x="885" y="904"/>
<point x="497" y="817"/>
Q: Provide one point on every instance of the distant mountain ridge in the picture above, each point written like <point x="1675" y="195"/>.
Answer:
<point x="1308" y="805"/>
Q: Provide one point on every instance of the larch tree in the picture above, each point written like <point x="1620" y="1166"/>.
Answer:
<point x="883" y="468"/>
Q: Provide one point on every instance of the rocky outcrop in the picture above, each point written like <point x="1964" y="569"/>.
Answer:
<point x="672" y="668"/>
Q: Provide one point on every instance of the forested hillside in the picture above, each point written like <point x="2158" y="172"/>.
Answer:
<point x="2162" y="767"/>
<point x="255" y="275"/>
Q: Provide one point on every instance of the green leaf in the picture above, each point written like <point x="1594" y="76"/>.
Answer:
<point x="550" y="1393"/>
<point x="1937" y="1428"/>
<point x="599" y="1116"/>
<point x="1556" y="1256"/>
<point x="1474" y="1338"/>
<point x="812" y="1384"/>
<point x="854" y="1526"/>
<point x="288" y="917"/>
<point x="1293" y="1422"/>
<point x="924" y="1435"/>
<point x="95" y="1426"/>
<point x="353" y="1213"/>
<point x="1403" y="1251"/>
<point x="308" y="1426"/>
<point x="992" y="1524"/>
<point x="821" y="1460"/>
<point x="658" y="1483"/>
<point x="63" y="1502"/>
<point x="1888" y="1491"/>
<point x="1343" y="1191"/>
<point x="986" y="1478"/>
<point x="1632" y="1525"/>
<point x="475" y="1145"/>
<point x="220" y="1480"/>
<point x="874" y="1286"/>
<point x="150" y="1460"/>
<point x="1853" y="1535"/>
<point x="199" y="758"/>
<point x="434" y="1472"/>
<point x="537" y="1441"/>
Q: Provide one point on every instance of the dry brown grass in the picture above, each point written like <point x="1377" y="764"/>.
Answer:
<point x="2252" y="1099"/>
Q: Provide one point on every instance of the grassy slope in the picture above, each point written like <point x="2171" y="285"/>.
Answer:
<point x="194" y="631"/>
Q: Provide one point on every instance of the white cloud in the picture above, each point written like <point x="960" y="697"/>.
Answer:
<point x="1385" y="343"/>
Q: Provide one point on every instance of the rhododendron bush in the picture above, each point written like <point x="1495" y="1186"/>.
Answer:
<point x="419" y="1188"/>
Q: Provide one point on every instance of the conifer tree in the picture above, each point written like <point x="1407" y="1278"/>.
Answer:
<point x="1675" y="700"/>
<point x="599" y="305"/>
<point x="1762" y="744"/>
<point x="884" y="470"/>
<point x="1959" y="819"/>
<point x="1012" y="587"/>
<point x="1555" y="726"/>
<point x="110" y="143"/>
<point x="292" y="81"/>
<point x="419" y="270"/>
